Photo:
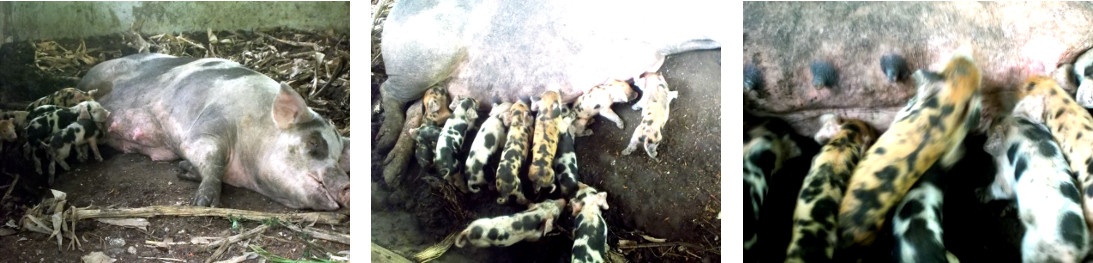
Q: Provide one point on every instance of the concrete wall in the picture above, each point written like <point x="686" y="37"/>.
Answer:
<point x="54" y="20"/>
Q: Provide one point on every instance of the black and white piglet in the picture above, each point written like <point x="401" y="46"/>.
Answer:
<point x="565" y="161"/>
<point x="590" y="231"/>
<point x="504" y="231"/>
<point x="75" y="135"/>
<point x="464" y="113"/>
<point x="490" y="138"/>
<point x="426" y="137"/>
<point x="47" y="120"/>
<point x="1032" y="168"/>
<point x="917" y="222"/>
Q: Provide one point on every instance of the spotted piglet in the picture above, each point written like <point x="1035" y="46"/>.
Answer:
<point x="504" y="231"/>
<point x="916" y="224"/>
<point x="465" y="112"/>
<point x="18" y="118"/>
<point x="426" y="137"/>
<point x="82" y="132"/>
<point x="512" y="158"/>
<point x="655" y="102"/>
<point x="66" y="97"/>
<point x="565" y="162"/>
<point x="7" y="132"/>
<point x="767" y="147"/>
<point x="489" y="139"/>
<point x="1033" y="169"/>
<point x="49" y="119"/>
<point x="598" y="102"/>
<point x="590" y="232"/>
<point x="814" y="234"/>
<point x="541" y="172"/>
<point x="433" y="102"/>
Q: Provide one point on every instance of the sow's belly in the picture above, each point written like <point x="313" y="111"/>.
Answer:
<point x="135" y="130"/>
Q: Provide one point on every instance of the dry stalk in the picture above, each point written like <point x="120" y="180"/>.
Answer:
<point x="320" y="234"/>
<point x="151" y="211"/>
<point x="223" y="244"/>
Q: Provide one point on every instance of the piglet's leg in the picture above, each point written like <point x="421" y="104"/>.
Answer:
<point x="547" y="226"/>
<point x="209" y="160"/>
<point x="94" y="145"/>
<point x="610" y="115"/>
<point x="634" y="141"/>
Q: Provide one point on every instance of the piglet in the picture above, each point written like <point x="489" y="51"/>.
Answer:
<point x="655" y="102"/>
<point x="83" y="131"/>
<point x="489" y="139"/>
<point x="19" y="118"/>
<point x="598" y="102"/>
<point x="426" y="137"/>
<point x="565" y="162"/>
<point x="66" y="97"/>
<point x="541" y="172"/>
<point x="7" y="132"/>
<point x="590" y="232"/>
<point x="433" y="102"/>
<point x="1032" y="168"/>
<point x="516" y="150"/>
<point x="504" y="231"/>
<point x="464" y="113"/>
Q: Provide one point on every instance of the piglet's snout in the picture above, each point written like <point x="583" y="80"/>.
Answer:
<point x="337" y="184"/>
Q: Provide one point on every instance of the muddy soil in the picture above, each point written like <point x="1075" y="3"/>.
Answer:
<point x="134" y="180"/>
<point x="676" y="197"/>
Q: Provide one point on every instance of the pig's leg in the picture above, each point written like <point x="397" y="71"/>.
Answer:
<point x="188" y="172"/>
<point x="60" y="157"/>
<point x="94" y="145"/>
<point x="634" y="141"/>
<point x="81" y="153"/>
<point x="395" y="93"/>
<point x="397" y="159"/>
<point x="209" y="160"/>
<point x="610" y="115"/>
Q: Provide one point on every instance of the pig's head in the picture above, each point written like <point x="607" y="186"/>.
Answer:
<point x="92" y="110"/>
<point x="466" y="109"/>
<point x="305" y="165"/>
<point x="7" y="130"/>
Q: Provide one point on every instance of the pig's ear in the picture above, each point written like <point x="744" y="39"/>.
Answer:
<point x="344" y="161"/>
<point x="289" y="108"/>
<point x="91" y="93"/>
<point x="603" y="200"/>
<point x="84" y="113"/>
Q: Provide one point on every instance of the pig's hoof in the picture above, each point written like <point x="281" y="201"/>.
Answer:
<point x="188" y="172"/>
<point x="206" y="196"/>
<point x="824" y="74"/>
<point x="753" y="78"/>
<point x="895" y="67"/>
<point x="393" y="118"/>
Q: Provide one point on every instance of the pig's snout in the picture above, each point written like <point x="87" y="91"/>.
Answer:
<point x="338" y="185"/>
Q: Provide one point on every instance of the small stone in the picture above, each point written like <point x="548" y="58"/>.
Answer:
<point x="132" y="250"/>
<point x="116" y="242"/>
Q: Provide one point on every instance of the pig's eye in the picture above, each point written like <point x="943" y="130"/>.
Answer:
<point x="316" y="146"/>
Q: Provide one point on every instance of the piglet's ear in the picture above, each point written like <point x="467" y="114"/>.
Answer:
<point x="289" y="108"/>
<point x="84" y="112"/>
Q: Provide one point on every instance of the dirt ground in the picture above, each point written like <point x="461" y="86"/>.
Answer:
<point x="676" y="198"/>
<point x="134" y="180"/>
